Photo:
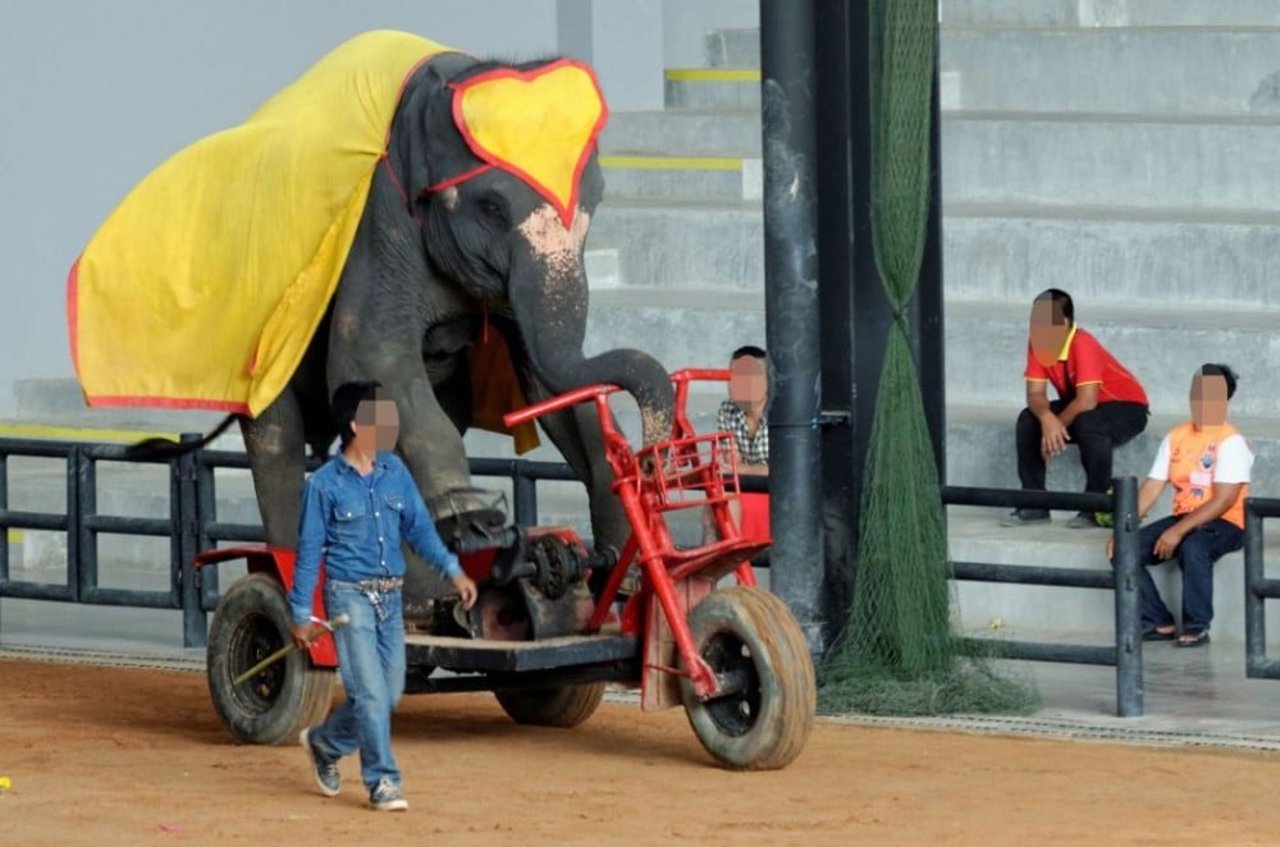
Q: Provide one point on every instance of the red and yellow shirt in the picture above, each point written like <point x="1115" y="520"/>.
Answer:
<point x="1193" y="460"/>
<point x="1083" y="361"/>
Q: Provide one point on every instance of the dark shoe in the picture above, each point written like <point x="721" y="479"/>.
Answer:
<point x="1083" y="520"/>
<point x="1192" y="639"/>
<point x="387" y="797"/>
<point x="326" y="775"/>
<point x="1025" y="517"/>
<point x="1156" y="635"/>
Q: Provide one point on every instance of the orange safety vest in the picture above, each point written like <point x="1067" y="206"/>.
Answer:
<point x="1193" y="458"/>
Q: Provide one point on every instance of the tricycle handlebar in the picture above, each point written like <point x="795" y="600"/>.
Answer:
<point x="558" y="403"/>
<point x="590" y="392"/>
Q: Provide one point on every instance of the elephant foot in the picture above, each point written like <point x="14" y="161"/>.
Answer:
<point x="468" y="512"/>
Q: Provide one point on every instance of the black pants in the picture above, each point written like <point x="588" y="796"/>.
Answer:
<point x="1096" y="432"/>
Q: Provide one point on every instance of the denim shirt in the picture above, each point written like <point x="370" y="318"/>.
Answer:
<point x="357" y="522"/>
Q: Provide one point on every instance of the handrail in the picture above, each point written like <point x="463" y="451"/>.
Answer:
<point x="1258" y="588"/>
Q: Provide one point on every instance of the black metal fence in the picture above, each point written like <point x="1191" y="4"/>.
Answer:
<point x="1258" y="589"/>
<point x="193" y="526"/>
<point x="1126" y="653"/>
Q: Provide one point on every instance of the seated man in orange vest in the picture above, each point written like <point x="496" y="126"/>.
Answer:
<point x="1209" y="464"/>
<point x="1100" y="404"/>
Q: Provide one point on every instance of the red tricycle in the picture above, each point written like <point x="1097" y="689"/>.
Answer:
<point x="543" y="641"/>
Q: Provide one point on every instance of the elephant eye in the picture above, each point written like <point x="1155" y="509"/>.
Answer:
<point x="492" y="208"/>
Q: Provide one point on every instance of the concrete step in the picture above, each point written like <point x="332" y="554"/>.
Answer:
<point x="603" y="267"/>
<point x="665" y="243"/>
<point x="992" y="251"/>
<point x="713" y="88"/>
<point x="733" y="48"/>
<point x="1109" y="13"/>
<point x="985" y="342"/>
<point x="680" y="327"/>
<point x="1015" y="611"/>
<point x="704" y="132"/>
<point x="1168" y="72"/>
<point x="731" y="178"/>
<point x="1162" y="345"/>
<point x="1143" y="161"/>
<point x="1163" y="258"/>
<point x="1009" y="13"/>
<point x="981" y="450"/>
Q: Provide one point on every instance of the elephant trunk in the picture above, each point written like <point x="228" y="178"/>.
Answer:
<point x="548" y="291"/>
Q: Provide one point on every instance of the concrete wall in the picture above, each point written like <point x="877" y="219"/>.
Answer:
<point x="686" y="23"/>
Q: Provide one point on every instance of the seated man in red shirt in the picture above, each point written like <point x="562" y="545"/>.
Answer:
<point x="1100" y="404"/>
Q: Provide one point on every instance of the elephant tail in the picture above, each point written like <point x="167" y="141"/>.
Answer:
<point x="167" y="448"/>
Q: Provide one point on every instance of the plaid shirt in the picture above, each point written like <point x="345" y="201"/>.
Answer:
<point x="752" y="450"/>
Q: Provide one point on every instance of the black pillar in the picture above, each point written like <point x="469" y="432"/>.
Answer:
<point x="787" y="60"/>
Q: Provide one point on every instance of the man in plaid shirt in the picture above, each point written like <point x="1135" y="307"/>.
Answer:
<point x="743" y="416"/>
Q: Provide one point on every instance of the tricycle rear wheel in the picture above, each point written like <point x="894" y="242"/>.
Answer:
<point x="251" y="622"/>
<point x="564" y="707"/>
<point x="749" y="635"/>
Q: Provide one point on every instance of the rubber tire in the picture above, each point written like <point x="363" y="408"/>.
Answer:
<point x="306" y="692"/>
<point x="563" y="708"/>
<point x="787" y="685"/>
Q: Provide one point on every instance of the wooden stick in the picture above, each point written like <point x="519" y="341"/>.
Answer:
<point x="329" y="626"/>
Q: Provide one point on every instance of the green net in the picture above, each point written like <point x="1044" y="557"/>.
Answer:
<point x="897" y="653"/>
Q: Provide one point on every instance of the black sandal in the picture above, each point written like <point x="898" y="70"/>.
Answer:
<point x="1157" y="635"/>
<point x="1192" y="639"/>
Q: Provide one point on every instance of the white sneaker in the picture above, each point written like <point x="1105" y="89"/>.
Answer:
<point x="325" y="773"/>
<point x="387" y="797"/>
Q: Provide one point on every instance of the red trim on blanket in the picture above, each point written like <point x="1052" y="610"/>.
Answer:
<point x="404" y="83"/>
<point x="460" y="178"/>
<point x="232" y="406"/>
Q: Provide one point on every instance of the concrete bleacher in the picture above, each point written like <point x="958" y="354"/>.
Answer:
<point x="1121" y="149"/>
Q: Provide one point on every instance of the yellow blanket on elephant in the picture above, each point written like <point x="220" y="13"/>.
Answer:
<point x="204" y="287"/>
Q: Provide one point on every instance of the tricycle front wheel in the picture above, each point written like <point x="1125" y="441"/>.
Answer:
<point x="754" y="645"/>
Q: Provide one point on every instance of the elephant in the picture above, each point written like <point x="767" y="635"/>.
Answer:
<point x="449" y="251"/>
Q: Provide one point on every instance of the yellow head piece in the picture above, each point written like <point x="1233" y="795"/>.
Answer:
<point x="539" y="125"/>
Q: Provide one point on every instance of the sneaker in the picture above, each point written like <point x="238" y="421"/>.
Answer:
<point x="1083" y="520"/>
<point x="387" y="797"/>
<point x="326" y="775"/>
<point x="1025" y="517"/>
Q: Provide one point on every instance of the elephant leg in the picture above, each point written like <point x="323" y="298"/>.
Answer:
<point x="455" y="394"/>
<point x="277" y="456"/>
<point x="576" y="434"/>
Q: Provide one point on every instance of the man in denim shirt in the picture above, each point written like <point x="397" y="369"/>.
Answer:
<point x="354" y="511"/>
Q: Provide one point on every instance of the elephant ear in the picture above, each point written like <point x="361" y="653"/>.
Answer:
<point x="540" y="125"/>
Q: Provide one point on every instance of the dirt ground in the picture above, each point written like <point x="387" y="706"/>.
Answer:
<point x="118" y="756"/>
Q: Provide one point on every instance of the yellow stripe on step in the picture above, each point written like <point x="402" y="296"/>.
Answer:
<point x="15" y="536"/>
<point x="672" y="163"/>
<point x="713" y="74"/>
<point x="73" y="433"/>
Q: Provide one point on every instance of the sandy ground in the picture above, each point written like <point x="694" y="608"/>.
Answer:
<point x="116" y="756"/>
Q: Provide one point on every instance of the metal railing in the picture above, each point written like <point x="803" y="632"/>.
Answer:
<point x="193" y="526"/>
<point x="1258" y="589"/>
<point x="1126" y="654"/>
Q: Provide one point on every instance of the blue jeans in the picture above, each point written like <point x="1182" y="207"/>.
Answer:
<point x="1195" y="556"/>
<point x="371" y="660"/>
